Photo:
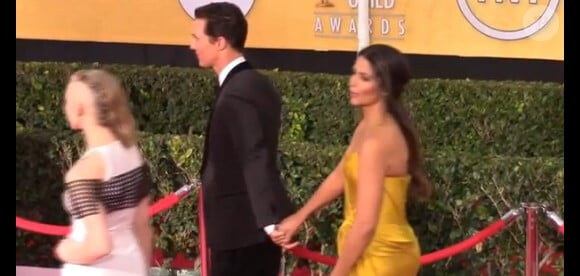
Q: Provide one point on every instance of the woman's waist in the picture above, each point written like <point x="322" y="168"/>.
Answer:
<point x="79" y="232"/>
<point x="388" y="240"/>
<point x="393" y="232"/>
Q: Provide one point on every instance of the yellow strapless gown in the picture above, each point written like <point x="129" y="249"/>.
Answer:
<point x="394" y="249"/>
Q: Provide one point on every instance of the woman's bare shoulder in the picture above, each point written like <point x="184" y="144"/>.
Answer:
<point x="90" y="167"/>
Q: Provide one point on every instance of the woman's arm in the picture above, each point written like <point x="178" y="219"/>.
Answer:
<point x="368" y="202"/>
<point x="143" y="229"/>
<point x="82" y="180"/>
<point x="331" y="188"/>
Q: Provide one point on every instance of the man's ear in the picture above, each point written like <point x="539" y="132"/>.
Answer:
<point x="221" y="43"/>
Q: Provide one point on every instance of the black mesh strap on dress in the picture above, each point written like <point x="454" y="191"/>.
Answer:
<point x="84" y="195"/>
<point x="146" y="182"/>
<point x="126" y="190"/>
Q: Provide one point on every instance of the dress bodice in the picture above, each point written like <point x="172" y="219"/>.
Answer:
<point x="394" y="249"/>
<point x="392" y="224"/>
<point x="126" y="182"/>
<point x="118" y="195"/>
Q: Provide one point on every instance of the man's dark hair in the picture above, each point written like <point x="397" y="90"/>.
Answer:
<point x="226" y="20"/>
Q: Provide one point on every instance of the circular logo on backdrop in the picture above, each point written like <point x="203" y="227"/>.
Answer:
<point x="190" y="5"/>
<point x="541" y="18"/>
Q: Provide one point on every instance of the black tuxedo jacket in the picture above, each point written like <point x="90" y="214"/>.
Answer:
<point x="242" y="188"/>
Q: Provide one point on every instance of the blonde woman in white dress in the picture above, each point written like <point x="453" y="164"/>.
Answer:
<point x="107" y="189"/>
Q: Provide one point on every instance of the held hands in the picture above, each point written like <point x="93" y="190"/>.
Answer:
<point x="285" y="231"/>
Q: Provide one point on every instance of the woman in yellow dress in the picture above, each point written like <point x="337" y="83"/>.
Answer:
<point x="381" y="169"/>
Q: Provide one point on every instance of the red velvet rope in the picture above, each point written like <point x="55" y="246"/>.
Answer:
<point x="302" y="252"/>
<point x="61" y="230"/>
<point x="457" y="248"/>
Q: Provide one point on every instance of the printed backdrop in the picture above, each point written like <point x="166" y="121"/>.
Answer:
<point x="491" y="28"/>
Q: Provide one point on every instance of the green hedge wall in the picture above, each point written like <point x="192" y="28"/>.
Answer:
<point x="472" y="190"/>
<point x="508" y="118"/>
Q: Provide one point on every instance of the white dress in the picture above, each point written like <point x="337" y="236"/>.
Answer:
<point x="127" y="182"/>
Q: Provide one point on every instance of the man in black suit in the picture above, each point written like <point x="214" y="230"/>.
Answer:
<point x="243" y="192"/>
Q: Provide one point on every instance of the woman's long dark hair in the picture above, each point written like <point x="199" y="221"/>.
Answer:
<point x="392" y="72"/>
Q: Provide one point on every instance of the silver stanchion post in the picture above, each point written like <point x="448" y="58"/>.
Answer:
<point x="186" y="189"/>
<point x="554" y="218"/>
<point x="511" y="215"/>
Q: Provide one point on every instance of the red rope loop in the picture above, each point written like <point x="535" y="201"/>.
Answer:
<point x="60" y="230"/>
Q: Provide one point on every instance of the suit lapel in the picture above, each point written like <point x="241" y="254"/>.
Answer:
<point x="239" y="68"/>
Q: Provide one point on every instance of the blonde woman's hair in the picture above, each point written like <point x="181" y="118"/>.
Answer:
<point x="112" y="103"/>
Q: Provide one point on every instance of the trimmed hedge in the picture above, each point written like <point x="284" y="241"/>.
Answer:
<point x="509" y="118"/>
<point x="472" y="190"/>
